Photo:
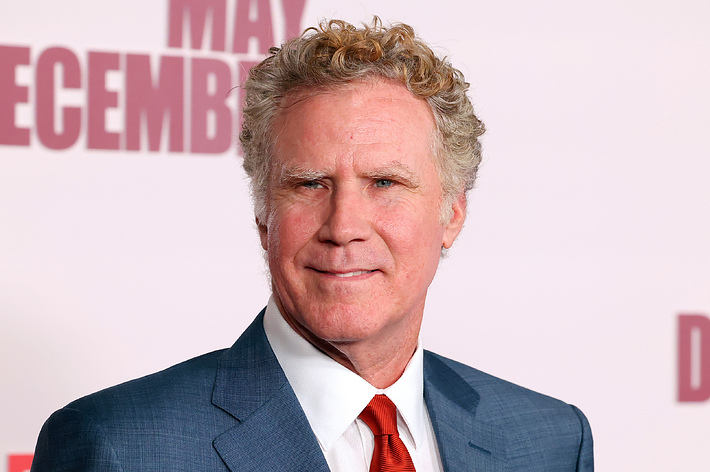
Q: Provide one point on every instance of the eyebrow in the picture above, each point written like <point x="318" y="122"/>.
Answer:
<point x="394" y="170"/>
<point x="294" y="174"/>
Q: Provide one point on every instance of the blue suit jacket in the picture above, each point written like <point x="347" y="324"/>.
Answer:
<point x="234" y="410"/>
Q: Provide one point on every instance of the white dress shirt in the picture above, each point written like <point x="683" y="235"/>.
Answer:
<point x="333" y="396"/>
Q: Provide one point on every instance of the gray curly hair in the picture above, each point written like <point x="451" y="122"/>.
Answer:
<point x="337" y="53"/>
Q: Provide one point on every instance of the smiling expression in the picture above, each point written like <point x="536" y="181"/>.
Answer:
<point x="353" y="234"/>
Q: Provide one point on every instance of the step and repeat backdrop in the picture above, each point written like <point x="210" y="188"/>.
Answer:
<point x="128" y="244"/>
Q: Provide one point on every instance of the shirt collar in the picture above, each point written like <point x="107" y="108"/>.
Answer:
<point x="333" y="396"/>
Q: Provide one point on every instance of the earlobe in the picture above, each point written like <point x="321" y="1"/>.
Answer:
<point x="263" y="234"/>
<point x="455" y="224"/>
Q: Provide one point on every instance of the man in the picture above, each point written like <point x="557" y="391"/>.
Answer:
<point x="361" y="145"/>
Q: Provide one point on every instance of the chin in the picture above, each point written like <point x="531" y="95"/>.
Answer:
<point x="346" y="323"/>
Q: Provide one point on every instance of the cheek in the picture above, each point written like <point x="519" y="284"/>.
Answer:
<point x="414" y="243"/>
<point x="413" y="230"/>
<point x="289" y="230"/>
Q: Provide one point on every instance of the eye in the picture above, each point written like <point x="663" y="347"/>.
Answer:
<point x="311" y="184"/>
<point x="384" y="183"/>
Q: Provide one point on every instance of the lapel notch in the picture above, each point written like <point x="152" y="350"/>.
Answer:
<point x="272" y="432"/>
<point x="464" y="442"/>
<point x="276" y="437"/>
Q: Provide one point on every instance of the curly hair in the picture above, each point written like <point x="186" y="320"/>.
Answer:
<point x="337" y="53"/>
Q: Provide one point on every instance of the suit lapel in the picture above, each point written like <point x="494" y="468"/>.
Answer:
<point x="464" y="443"/>
<point x="273" y="432"/>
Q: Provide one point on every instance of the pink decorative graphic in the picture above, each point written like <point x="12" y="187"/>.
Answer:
<point x="693" y="358"/>
<point x="19" y="462"/>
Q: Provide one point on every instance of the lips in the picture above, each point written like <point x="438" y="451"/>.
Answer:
<point x="353" y="273"/>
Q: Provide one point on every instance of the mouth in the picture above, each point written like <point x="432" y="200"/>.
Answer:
<point x="352" y="274"/>
<point x="343" y="275"/>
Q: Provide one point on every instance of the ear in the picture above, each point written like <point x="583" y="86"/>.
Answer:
<point x="455" y="224"/>
<point x="262" y="234"/>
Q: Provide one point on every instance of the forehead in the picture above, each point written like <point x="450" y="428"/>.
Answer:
<point x="358" y="118"/>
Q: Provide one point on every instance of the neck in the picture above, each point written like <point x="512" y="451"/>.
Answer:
<point x="379" y="365"/>
<point x="380" y="359"/>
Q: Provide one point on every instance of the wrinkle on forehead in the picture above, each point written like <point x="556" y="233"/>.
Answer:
<point x="355" y="92"/>
<point x="357" y="112"/>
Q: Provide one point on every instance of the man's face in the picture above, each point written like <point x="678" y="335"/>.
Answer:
<point x="353" y="234"/>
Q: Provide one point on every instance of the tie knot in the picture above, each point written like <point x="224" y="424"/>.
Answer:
<point x="380" y="415"/>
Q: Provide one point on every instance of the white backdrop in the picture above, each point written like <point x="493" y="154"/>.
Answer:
<point x="588" y="234"/>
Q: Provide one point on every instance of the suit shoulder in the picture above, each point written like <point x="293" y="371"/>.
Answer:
<point x="539" y="432"/>
<point x="187" y="382"/>
<point x="501" y="398"/>
<point x="166" y="418"/>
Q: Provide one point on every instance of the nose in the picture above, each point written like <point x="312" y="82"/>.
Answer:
<point x="346" y="218"/>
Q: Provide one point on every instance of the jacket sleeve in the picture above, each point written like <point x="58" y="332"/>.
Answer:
<point x="585" y="459"/>
<point x="71" y="442"/>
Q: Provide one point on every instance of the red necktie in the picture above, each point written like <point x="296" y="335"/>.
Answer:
<point x="390" y="454"/>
